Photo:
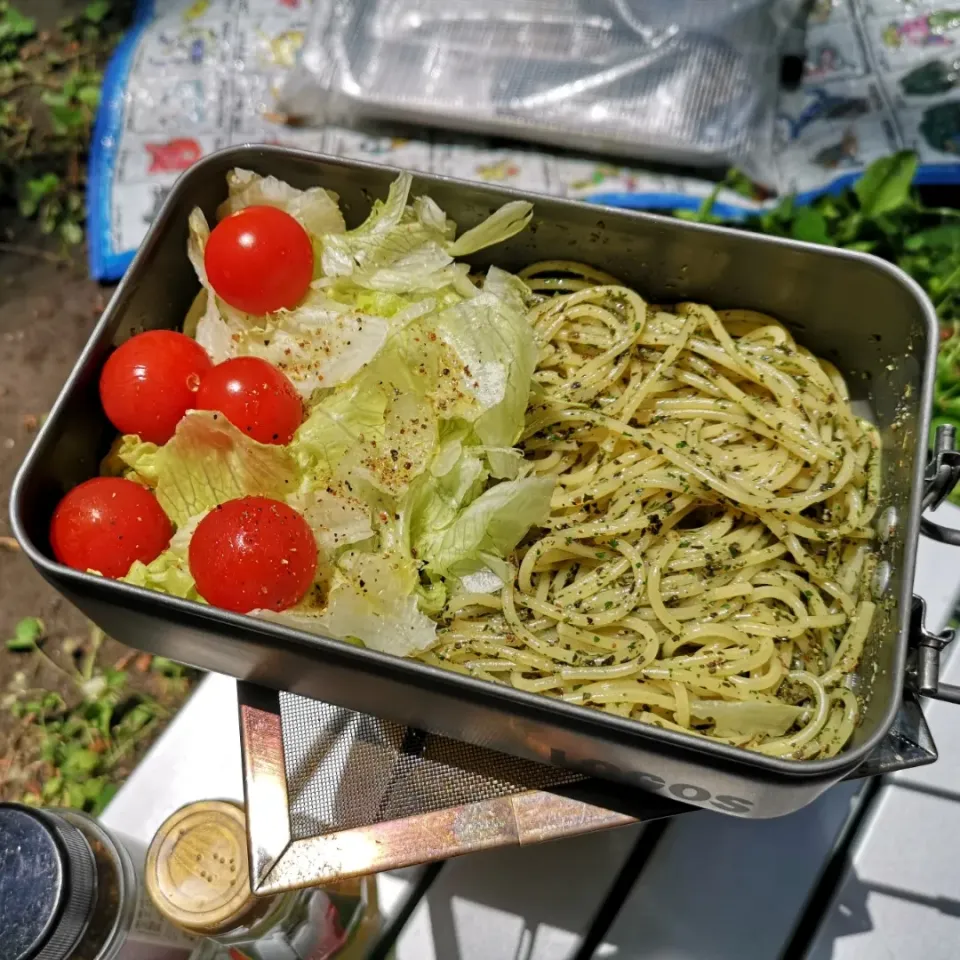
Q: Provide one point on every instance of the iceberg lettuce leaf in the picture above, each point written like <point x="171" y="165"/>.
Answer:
<point x="170" y="572"/>
<point x="209" y="461"/>
<point x="372" y="599"/>
<point x="403" y="248"/>
<point x="504" y="223"/>
<point x="337" y="519"/>
<point x="392" y="460"/>
<point x="436" y="500"/>
<point x="132" y="458"/>
<point x="457" y="541"/>
<point x="320" y="344"/>
<point x="486" y="361"/>
<point x="379" y="239"/>
<point x="316" y="209"/>
<point x="342" y="421"/>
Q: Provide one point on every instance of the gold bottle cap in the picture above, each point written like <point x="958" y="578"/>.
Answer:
<point x="197" y="872"/>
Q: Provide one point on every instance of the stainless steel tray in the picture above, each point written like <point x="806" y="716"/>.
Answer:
<point x="866" y="316"/>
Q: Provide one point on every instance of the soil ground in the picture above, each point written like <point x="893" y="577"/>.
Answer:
<point x="47" y="311"/>
<point x="46" y="314"/>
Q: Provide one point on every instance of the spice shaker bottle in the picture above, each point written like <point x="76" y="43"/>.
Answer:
<point x="69" y="890"/>
<point x="198" y="876"/>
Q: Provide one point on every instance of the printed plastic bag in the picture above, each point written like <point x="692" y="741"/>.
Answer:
<point x="678" y="81"/>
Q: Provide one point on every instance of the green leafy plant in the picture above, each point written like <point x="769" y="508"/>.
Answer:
<point x="76" y="748"/>
<point x="15" y="29"/>
<point x="49" y="92"/>
<point x="27" y="635"/>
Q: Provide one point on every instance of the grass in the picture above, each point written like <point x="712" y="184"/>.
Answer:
<point x="77" y="711"/>
<point x="50" y="83"/>
<point x="75" y="743"/>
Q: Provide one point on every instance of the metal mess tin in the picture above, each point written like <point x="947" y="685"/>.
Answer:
<point x="861" y="313"/>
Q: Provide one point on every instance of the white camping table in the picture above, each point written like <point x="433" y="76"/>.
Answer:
<point x="709" y="888"/>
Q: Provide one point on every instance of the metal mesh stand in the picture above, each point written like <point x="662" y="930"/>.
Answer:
<point x="346" y="770"/>
<point x="333" y="794"/>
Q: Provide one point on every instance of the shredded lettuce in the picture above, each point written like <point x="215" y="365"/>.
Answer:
<point x="320" y="344"/>
<point x="197" y="310"/>
<point x="415" y="378"/>
<point x="389" y="232"/>
<point x="372" y="599"/>
<point x="337" y="520"/>
<point x="209" y="461"/>
<point x="508" y="221"/>
<point x="316" y="209"/>
<point x="401" y="453"/>
<point x="401" y="247"/>
<point x="170" y="572"/>
<point x="496" y="353"/>
<point x="342" y="421"/>
<point x="132" y="458"/>
<point x="456" y="477"/>
<point x="489" y="527"/>
<point x="472" y="361"/>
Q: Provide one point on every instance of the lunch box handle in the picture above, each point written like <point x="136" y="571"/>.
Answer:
<point x="923" y="668"/>
<point x="909" y="742"/>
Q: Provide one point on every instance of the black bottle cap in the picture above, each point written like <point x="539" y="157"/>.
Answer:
<point x="48" y="884"/>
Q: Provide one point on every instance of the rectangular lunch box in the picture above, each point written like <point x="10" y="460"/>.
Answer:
<point x="866" y="316"/>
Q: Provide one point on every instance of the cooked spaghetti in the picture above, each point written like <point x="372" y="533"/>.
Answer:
<point x="706" y="560"/>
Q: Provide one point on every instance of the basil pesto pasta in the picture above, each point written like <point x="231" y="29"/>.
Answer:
<point x="704" y="563"/>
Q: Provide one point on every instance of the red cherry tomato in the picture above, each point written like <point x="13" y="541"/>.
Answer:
<point x="253" y="553"/>
<point x="149" y="383"/>
<point x="255" y="397"/>
<point x="259" y="259"/>
<point x="106" y="523"/>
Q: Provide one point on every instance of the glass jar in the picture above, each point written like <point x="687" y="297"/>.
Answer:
<point x="72" y="891"/>
<point x="198" y="876"/>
